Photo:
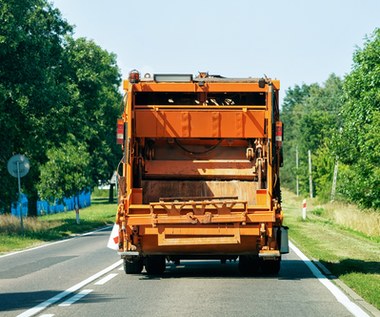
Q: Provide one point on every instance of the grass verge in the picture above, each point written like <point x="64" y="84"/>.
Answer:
<point x="351" y="255"/>
<point x="53" y="227"/>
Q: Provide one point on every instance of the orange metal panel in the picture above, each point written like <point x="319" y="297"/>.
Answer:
<point x="195" y="219"/>
<point x="185" y="122"/>
<point x="215" y="125"/>
<point x="163" y="241"/>
<point x="145" y="209"/>
<point x="150" y="243"/>
<point x="201" y="108"/>
<point x="152" y="220"/>
<point x="276" y="84"/>
<point x="262" y="197"/>
<point x="194" y="87"/>
<point x="137" y="195"/>
<point x="198" y="168"/>
<point x="260" y="217"/>
<point x="198" y="124"/>
<point x="200" y="230"/>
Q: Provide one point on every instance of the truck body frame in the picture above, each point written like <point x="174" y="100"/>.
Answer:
<point x="200" y="172"/>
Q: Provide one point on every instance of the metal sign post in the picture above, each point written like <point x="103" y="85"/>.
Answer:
<point x="18" y="166"/>
<point x="19" y="196"/>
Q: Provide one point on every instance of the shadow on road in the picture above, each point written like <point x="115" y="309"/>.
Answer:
<point x="24" y="300"/>
<point x="290" y="270"/>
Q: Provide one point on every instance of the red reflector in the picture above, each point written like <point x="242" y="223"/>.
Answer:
<point x="120" y="131"/>
<point x="261" y="191"/>
<point x="279" y="131"/>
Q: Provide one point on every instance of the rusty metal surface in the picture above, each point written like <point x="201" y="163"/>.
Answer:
<point x="154" y="189"/>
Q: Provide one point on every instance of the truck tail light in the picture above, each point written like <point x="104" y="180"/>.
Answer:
<point x="120" y="131"/>
<point x="279" y="133"/>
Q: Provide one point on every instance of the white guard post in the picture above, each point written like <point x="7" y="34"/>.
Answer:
<point x="304" y="210"/>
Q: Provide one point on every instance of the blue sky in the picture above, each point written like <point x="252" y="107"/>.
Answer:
<point x="294" y="41"/>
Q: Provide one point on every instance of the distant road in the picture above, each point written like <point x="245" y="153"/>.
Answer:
<point x="81" y="277"/>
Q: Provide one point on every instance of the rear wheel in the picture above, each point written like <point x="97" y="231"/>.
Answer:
<point x="155" y="264"/>
<point x="133" y="266"/>
<point x="248" y="264"/>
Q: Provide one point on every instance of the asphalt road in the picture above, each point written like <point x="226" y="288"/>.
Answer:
<point x="81" y="277"/>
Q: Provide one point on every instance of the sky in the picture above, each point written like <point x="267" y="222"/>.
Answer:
<point x="294" y="41"/>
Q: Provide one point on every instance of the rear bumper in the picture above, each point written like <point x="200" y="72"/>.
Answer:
<point x="199" y="228"/>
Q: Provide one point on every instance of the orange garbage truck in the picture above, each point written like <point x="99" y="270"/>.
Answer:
<point x="200" y="174"/>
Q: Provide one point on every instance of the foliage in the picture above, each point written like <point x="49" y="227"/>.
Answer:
<point x="310" y="116"/>
<point x="338" y="121"/>
<point x="358" y="145"/>
<point x="291" y="114"/>
<point x="53" y="90"/>
<point x="31" y="38"/>
<point x="65" y="172"/>
<point x="95" y="81"/>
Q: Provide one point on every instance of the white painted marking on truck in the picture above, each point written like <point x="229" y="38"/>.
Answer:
<point x="76" y="297"/>
<point x="53" y="243"/>
<point x="106" y="279"/>
<point x="337" y="292"/>
<point x="36" y="309"/>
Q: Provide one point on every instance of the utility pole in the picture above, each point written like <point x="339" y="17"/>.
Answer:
<point x="310" y="176"/>
<point x="297" y="180"/>
<point x="333" y="188"/>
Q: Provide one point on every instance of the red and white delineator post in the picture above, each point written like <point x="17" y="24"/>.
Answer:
<point x="304" y="209"/>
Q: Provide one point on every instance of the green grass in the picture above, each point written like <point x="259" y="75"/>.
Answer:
<point x="53" y="227"/>
<point x="351" y="255"/>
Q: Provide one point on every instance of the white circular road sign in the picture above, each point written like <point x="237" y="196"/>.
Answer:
<point x="18" y="165"/>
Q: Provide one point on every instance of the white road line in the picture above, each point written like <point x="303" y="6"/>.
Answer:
<point x="47" y="315"/>
<point x="76" y="297"/>
<point x="337" y="292"/>
<point x="36" y="309"/>
<point x="106" y="279"/>
<point x="53" y="243"/>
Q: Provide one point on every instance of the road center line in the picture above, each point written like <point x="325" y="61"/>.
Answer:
<point x="339" y="295"/>
<point x="36" y="309"/>
<point x="106" y="279"/>
<point x="76" y="297"/>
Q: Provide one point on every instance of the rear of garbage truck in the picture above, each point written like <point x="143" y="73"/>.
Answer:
<point x="200" y="174"/>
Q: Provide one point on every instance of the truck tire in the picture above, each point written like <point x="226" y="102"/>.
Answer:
<point x="249" y="264"/>
<point x="271" y="267"/>
<point x="134" y="266"/>
<point x="155" y="264"/>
